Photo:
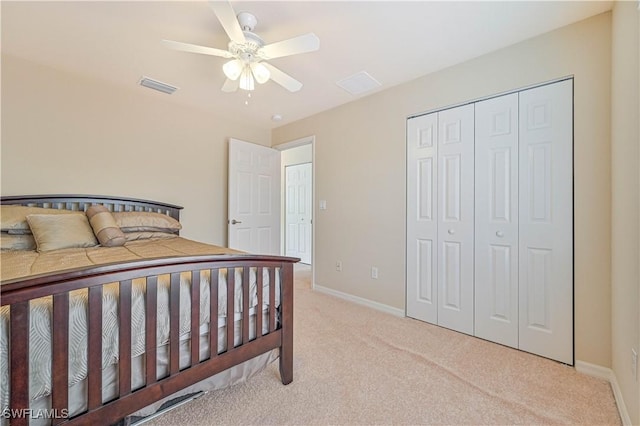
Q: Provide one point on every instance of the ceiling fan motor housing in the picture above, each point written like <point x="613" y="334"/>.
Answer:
<point x="247" y="51"/>
<point x="247" y="21"/>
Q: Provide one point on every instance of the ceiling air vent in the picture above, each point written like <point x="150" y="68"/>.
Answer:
<point x="359" y="83"/>
<point x="157" y="85"/>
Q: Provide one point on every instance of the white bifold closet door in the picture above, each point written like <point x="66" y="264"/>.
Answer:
<point x="440" y="218"/>
<point x="496" y="228"/>
<point x="422" y="218"/>
<point x="455" y="218"/>
<point x="524" y="220"/>
<point x="490" y="219"/>
<point x="546" y="221"/>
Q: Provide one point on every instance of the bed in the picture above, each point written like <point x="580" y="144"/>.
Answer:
<point x="95" y="333"/>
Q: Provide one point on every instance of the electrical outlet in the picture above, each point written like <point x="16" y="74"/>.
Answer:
<point x="634" y="364"/>
<point x="339" y="266"/>
<point x="374" y="273"/>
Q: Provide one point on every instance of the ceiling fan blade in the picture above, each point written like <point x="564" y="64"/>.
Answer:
<point x="194" y="48"/>
<point x="283" y="79"/>
<point x="301" y="44"/>
<point x="227" y="18"/>
<point x="230" y="85"/>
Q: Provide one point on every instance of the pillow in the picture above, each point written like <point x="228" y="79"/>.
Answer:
<point x="53" y="232"/>
<point x="13" y="218"/>
<point x="135" y="236"/>
<point x="17" y="242"/>
<point x="104" y="226"/>
<point x="146" y="221"/>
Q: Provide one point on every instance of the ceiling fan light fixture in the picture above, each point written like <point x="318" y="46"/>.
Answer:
<point x="260" y="72"/>
<point x="233" y="69"/>
<point x="246" y="79"/>
<point x="247" y="53"/>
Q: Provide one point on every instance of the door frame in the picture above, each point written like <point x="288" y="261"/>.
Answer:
<point x="307" y="140"/>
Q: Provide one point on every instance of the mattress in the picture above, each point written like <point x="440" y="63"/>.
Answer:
<point x="27" y="263"/>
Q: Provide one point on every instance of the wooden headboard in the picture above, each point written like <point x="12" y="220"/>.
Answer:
<point x="82" y="202"/>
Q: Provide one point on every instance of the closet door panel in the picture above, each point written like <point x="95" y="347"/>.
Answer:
<point x="455" y="218"/>
<point x="422" y="250"/>
<point x="546" y="221"/>
<point x="496" y="220"/>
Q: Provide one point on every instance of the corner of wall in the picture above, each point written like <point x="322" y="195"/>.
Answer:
<point x="608" y="375"/>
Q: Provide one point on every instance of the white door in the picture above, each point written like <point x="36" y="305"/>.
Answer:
<point x="254" y="198"/>
<point x="298" y="214"/>
<point x="455" y="218"/>
<point x="422" y="218"/>
<point x="546" y="221"/>
<point x="496" y="220"/>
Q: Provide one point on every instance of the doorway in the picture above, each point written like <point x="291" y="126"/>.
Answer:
<point x="298" y="211"/>
<point x="297" y="199"/>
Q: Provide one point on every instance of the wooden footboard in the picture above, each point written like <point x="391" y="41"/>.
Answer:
<point x="18" y="294"/>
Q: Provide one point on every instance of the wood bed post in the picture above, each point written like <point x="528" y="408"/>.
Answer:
<point x="286" y="349"/>
<point x="19" y="360"/>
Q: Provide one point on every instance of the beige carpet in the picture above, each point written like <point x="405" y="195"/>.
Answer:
<point x="355" y="365"/>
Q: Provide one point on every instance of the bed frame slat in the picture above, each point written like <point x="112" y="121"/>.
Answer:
<point x="151" y="324"/>
<point x="195" y="317"/>
<point x="231" y="291"/>
<point x="174" y="325"/>
<point x="272" y="299"/>
<point x="245" y="304"/>
<point x="124" y="338"/>
<point x="60" y="355"/>
<point x="94" y="351"/>
<point x="260" y="289"/>
<point x="213" y="313"/>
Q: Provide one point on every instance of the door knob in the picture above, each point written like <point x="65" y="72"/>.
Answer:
<point x="233" y="222"/>
<point x="451" y="231"/>
<point x="500" y="234"/>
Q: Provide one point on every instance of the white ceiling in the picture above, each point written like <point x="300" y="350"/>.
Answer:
<point x="393" y="41"/>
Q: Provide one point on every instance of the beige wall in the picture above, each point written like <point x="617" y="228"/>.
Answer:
<point x="63" y="133"/>
<point x="625" y="189"/>
<point x="360" y="170"/>
<point x="298" y="155"/>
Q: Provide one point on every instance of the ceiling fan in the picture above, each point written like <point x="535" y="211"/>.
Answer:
<point x="248" y="53"/>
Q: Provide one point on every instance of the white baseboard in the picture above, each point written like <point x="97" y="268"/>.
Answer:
<point x="607" y="374"/>
<point x="359" y="300"/>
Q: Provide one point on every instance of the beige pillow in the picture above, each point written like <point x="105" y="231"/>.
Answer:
<point x="53" y="232"/>
<point x="13" y="219"/>
<point x="146" y="222"/>
<point x="17" y="242"/>
<point x="105" y="227"/>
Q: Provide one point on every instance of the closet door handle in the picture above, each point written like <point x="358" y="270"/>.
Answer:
<point x="451" y="231"/>
<point x="233" y="222"/>
<point x="500" y="234"/>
